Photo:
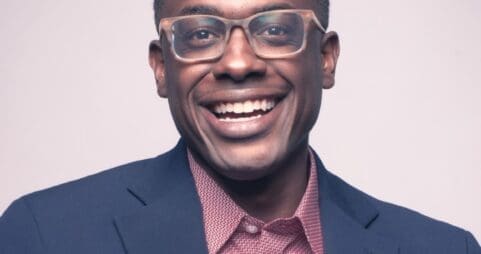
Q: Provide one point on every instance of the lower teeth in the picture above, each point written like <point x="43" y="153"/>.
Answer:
<point x="239" y="119"/>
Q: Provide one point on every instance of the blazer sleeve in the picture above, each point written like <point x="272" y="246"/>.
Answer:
<point x="472" y="245"/>
<point x="19" y="232"/>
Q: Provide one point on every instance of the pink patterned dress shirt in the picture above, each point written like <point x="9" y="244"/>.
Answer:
<point x="229" y="229"/>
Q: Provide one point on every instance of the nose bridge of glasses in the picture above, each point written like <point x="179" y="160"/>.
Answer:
<point x="238" y="60"/>
<point x="238" y="29"/>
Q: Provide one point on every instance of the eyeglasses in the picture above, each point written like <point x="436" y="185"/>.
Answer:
<point x="271" y="34"/>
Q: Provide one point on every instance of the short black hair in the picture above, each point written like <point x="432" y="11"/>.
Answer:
<point x="324" y="18"/>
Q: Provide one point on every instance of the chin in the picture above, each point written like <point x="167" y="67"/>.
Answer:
<point x="244" y="173"/>
<point x="246" y="163"/>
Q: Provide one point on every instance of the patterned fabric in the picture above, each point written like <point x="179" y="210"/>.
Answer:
<point x="229" y="229"/>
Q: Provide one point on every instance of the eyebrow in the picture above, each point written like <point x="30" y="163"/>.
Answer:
<point x="200" y="10"/>
<point x="276" y="6"/>
<point x="211" y="10"/>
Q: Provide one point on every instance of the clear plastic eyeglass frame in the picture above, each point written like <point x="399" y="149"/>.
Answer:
<point x="166" y="27"/>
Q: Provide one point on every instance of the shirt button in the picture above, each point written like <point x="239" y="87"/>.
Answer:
<point x="252" y="229"/>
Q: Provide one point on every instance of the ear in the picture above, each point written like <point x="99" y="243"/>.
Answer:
<point x="330" y="53"/>
<point x="156" y="61"/>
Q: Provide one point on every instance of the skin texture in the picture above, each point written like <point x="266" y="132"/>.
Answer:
<point x="262" y="164"/>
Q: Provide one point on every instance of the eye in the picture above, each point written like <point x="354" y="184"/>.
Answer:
<point x="201" y="35"/>
<point x="201" y="38"/>
<point x="275" y="35"/>
<point x="274" y="30"/>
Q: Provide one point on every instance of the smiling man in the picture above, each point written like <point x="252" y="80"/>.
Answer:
<point x="244" y="82"/>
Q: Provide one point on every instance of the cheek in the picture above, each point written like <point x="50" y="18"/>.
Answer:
<point x="310" y="89"/>
<point x="310" y="79"/>
<point x="181" y="77"/>
<point x="304" y="75"/>
<point x="182" y="83"/>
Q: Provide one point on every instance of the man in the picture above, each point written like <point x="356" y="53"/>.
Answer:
<point x="244" y="81"/>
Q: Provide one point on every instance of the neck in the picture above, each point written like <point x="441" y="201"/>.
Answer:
<point x="274" y="196"/>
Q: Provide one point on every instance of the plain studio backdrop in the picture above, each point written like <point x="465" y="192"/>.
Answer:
<point x="403" y="122"/>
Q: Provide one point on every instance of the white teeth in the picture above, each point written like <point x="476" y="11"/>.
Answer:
<point x="248" y="106"/>
<point x="264" y="105"/>
<point x="270" y="104"/>
<point x="239" y="119"/>
<point x="257" y="104"/>
<point x="238" y="108"/>
<point x="229" y="107"/>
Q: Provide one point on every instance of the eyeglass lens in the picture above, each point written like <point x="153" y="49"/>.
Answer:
<point x="271" y="34"/>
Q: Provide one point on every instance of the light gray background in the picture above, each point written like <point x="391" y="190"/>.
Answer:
<point x="402" y="123"/>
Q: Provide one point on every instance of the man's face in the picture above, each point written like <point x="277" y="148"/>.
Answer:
<point x="275" y="102"/>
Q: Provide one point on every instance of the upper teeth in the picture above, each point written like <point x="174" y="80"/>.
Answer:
<point x="248" y="106"/>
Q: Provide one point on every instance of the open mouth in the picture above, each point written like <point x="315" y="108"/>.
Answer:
<point x="242" y="111"/>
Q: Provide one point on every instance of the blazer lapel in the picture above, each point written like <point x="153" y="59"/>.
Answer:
<point x="171" y="220"/>
<point x="346" y="214"/>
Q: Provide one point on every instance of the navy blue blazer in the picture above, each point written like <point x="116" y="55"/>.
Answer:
<point x="152" y="206"/>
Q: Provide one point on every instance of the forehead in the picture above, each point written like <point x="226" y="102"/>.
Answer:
<point x="230" y="8"/>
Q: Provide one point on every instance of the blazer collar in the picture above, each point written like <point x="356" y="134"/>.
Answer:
<point x="346" y="214"/>
<point x="170" y="220"/>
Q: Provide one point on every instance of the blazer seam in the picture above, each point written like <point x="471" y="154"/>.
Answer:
<point x="466" y="241"/>
<point x="37" y="226"/>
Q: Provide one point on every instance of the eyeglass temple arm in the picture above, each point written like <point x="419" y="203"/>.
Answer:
<point x="318" y="24"/>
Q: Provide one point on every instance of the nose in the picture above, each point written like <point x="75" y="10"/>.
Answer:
<point x="239" y="60"/>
